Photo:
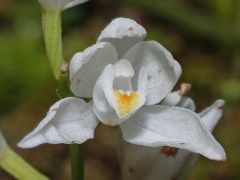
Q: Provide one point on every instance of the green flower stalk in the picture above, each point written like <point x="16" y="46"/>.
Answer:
<point x="77" y="161"/>
<point x="52" y="30"/>
<point x="51" y="22"/>
<point x="15" y="165"/>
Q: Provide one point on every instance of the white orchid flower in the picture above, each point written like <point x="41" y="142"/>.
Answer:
<point x="60" y="4"/>
<point x="139" y="162"/>
<point x="126" y="77"/>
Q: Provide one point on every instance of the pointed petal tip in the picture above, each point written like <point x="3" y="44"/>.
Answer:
<point x="217" y="154"/>
<point x="24" y="144"/>
<point x="21" y="145"/>
<point x="30" y="141"/>
<point x="219" y="103"/>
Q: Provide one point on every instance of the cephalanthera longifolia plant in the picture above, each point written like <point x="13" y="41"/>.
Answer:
<point x="129" y="82"/>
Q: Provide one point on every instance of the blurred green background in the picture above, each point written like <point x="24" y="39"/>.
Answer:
<point x="203" y="35"/>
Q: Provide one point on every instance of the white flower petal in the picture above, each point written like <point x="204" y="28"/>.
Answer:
<point x="187" y="102"/>
<point x="60" y="4"/>
<point x="69" y="120"/>
<point x="103" y="98"/>
<point x="74" y="3"/>
<point x="163" y="70"/>
<point x="160" y="125"/>
<point x="147" y="163"/>
<point x="111" y="105"/>
<point x="86" y="67"/>
<point x="123" y="33"/>
<point x="211" y="115"/>
<point x="172" y="99"/>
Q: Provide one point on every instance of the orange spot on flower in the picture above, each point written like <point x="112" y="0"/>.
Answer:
<point x="169" y="151"/>
<point x="126" y="102"/>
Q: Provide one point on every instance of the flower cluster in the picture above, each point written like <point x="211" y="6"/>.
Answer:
<point x="129" y="81"/>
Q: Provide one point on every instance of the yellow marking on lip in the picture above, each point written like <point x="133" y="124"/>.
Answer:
<point x="126" y="102"/>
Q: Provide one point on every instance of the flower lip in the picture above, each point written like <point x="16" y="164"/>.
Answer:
<point x="126" y="102"/>
<point x="115" y="100"/>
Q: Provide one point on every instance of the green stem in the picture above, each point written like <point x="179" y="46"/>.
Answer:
<point x="77" y="161"/>
<point x="52" y="29"/>
<point x="17" y="167"/>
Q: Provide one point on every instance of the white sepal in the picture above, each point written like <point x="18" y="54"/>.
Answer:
<point x="160" y="125"/>
<point x="163" y="71"/>
<point x="172" y="99"/>
<point x="60" y="4"/>
<point x="123" y="33"/>
<point x="147" y="163"/>
<point x="187" y="102"/>
<point x="211" y="115"/>
<point x="74" y="3"/>
<point x="70" y="120"/>
<point x="85" y="67"/>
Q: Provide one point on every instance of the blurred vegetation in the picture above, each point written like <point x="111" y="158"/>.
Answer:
<point x="204" y="36"/>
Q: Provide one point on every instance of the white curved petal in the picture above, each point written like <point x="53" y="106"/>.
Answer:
<point x="163" y="70"/>
<point x="187" y="102"/>
<point x="147" y="163"/>
<point x="160" y="125"/>
<point x="211" y="115"/>
<point x="74" y="3"/>
<point x="143" y="83"/>
<point x="85" y="67"/>
<point x="113" y="106"/>
<point x="60" y="4"/>
<point x="123" y="33"/>
<point x="103" y="98"/>
<point x="172" y="99"/>
<point x="70" y="120"/>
